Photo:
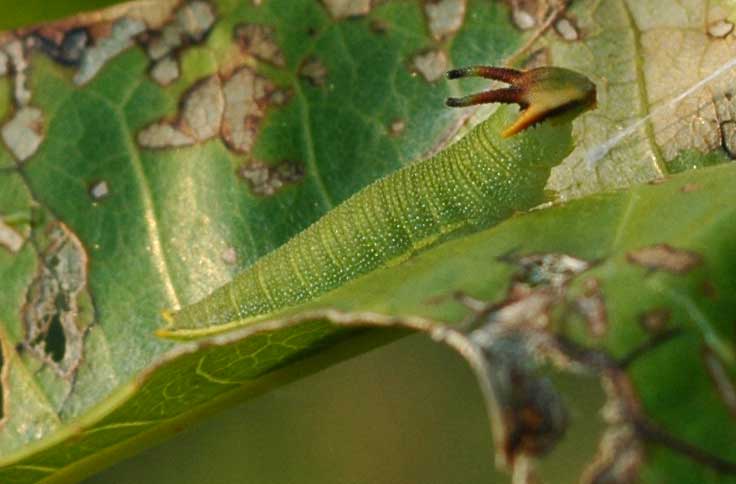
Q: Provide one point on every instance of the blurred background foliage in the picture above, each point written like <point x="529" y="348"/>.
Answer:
<point x="407" y="412"/>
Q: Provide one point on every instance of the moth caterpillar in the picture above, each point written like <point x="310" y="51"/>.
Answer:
<point x="473" y="184"/>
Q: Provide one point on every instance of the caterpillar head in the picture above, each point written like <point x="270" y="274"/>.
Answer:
<point x="542" y="93"/>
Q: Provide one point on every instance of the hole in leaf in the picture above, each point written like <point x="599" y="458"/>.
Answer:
<point x="55" y="339"/>
<point x="54" y="321"/>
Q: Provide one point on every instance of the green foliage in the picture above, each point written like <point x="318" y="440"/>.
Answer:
<point x="36" y="11"/>
<point x="116" y="223"/>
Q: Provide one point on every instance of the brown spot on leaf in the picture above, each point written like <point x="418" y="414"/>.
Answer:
<point x="340" y="9"/>
<point x="567" y="29"/>
<point x="54" y="330"/>
<point x="17" y="64"/>
<point x="397" y="127"/>
<point x="10" y="238"/>
<point x="165" y="70"/>
<point x="189" y="26"/>
<point x="203" y="108"/>
<point x="229" y="256"/>
<point x="445" y="17"/>
<point x="279" y="97"/>
<point x="431" y="64"/>
<point x="99" y="190"/>
<point x="266" y="181"/>
<point x="379" y="26"/>
<point x="232" y="109"/>
<point x="554" y="269"/>
<point x="523" y="19"/>
<point x="690" y="187"/>
<point x="525" y="13"/>
<point x="539" y="285"/>
<point x="592" y="306"/>
<point x="103" y="29"/>
<point x="23" y="133"/>
<point x="163" y="135"/>
<point x="246" y="97"/>
<point x="95" y="57"/>
<point x="154" y="13"/>
<point x="665" y="257"/>
<point x="195" y="18"/>
<point x="200" y="118"/>
<point x="526" y="306"/>
<point x="259" y="41"/>
<point x="720" y="28"/>
<point x="314" y="71"/>
<point x="656" y="320"/>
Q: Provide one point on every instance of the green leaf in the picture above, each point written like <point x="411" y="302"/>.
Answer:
<point x="129" y="196"/>
<point x="650" y="278"/>
<point x="36" y="11"/>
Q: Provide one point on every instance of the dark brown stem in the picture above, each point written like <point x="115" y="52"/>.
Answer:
<point x="646" y="347"/>
<point x="645" y="428"/>
<point x="649" y="432"/>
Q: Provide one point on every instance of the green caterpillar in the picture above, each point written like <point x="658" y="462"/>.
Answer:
<point x="473" y="184"/>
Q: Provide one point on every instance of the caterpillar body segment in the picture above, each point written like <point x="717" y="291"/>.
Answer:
<point x="473" y="184"/>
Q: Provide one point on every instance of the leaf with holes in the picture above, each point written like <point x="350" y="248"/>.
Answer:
<point x="152" y="151"/>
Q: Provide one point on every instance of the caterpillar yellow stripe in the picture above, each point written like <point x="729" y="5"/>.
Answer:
<point x="497" y="169"/>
